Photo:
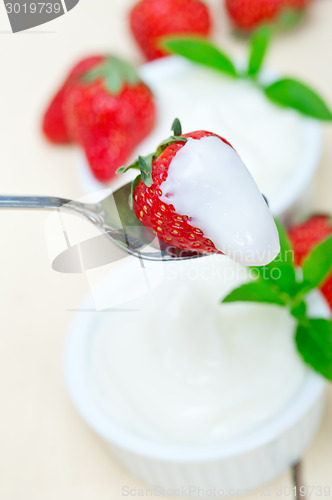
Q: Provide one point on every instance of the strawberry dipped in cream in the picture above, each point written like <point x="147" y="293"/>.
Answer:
<point x="196" y="194"/>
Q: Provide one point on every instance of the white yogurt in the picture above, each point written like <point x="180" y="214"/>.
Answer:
<point x="208" y="182"/>
<point x="183" y="368"/>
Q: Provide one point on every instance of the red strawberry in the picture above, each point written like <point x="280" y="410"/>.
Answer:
<point x="172" y="228"/>
<point x="304" y="238"/>
<point x="248" y="14"/>
<point x="297" y="4"/>
<point x="109" y="111"/>
<point x="150" y="20"/>
<point x="54" y="123"/>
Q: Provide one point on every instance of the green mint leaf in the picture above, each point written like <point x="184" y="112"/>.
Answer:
<point x="134" y="185"/>
<point x="202" y="52"/>
<point x="299" y="310"/>
<point x="294" y="94"/>
<point x="256" y="291"/>
<point x="317" y="265"/>
<point x="176" y="127"/>
<point x="314" y="342"/>
<point x="145" y="166"/>
<point x="281" y="271"/>
<point x="258" y="47"/>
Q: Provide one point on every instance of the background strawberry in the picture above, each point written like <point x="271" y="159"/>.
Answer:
<point x="150" y="20"/>
<point x="248" y="14"/>
<point x="305" y="237"/>
<point x="297" y="4"/>
<point x="172" y="228"/>
<point x="54" y="124"/>
<point x="109" y="111"/>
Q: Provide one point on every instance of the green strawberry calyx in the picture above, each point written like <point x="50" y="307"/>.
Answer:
<point x="281" y="284"/>
<point x="114" y="73"/>
<point x="144" y="163"/>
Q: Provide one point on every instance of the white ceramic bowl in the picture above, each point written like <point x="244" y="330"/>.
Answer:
<point x="291" y="198"/>
<point x="233" y="466"/>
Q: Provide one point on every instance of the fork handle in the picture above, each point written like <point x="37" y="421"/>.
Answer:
<point x="43" y="202"/>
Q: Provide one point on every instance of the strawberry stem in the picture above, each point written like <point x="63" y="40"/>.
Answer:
<point x="144" y="163"/>
<point x="177" y="127"/>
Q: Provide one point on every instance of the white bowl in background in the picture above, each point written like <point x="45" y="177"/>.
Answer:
<point x="168" y="76"/>
<point x="238" y="464"/>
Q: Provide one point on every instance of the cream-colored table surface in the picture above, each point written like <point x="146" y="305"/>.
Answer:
<point x="46" y="450"/>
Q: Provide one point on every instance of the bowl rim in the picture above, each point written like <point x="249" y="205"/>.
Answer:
<point x="296" y="184"/>
<point x="301" y="176"/>
<point x="299" y="180"/>
<point x="76" y="371"/>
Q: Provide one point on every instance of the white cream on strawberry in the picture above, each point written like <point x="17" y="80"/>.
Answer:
<point x="208" y="182"/>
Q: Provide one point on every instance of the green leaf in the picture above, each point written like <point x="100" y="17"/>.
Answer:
<point x="314" y="342"/>
<point x="294" y="94"/>
<point x="256" y="291"/>
<point x="290" y="18"/>
<point x="114" y="82"/>
<point x="98" y="71"/>
<point x="114" y="73"/>
<point x="134" y="165"/>
<point x="317" y="265"/>
<point x="298" y="310"/>
<point x="145" y="166"/>
<point x="128" y="71"/>
<point x="134" y="185"/>
<point x="281" y="271"/>
<point x="176" y="127"/>
<point x="202" y="52"/>
<point x="168" y="142"/>
<point x="258" y="47"/>
<point x="144" y="163"/>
